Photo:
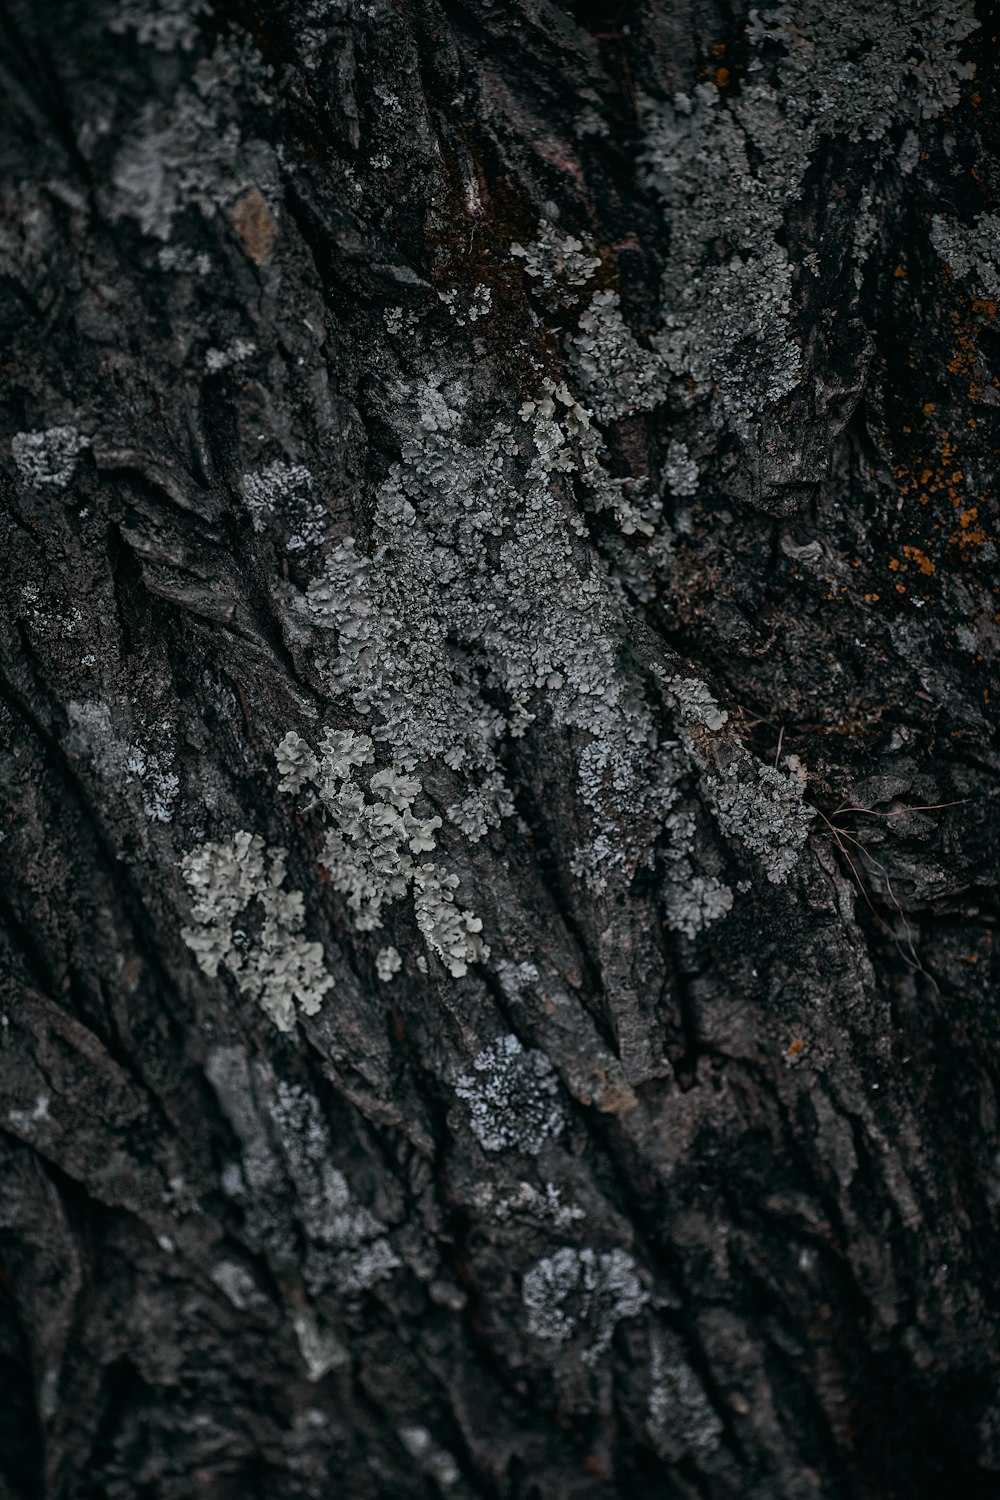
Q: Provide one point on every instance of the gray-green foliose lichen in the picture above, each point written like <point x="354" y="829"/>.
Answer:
<point x="972" y="251"/>
<point x="372" y="840"/>
<point x="275" y="965"/>
<point x="471" y="612"/>
<point x="724" y="167"/>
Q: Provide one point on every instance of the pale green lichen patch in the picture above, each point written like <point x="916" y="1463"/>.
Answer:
<point x="372" y="840"/>
<point x="275" y="964"/>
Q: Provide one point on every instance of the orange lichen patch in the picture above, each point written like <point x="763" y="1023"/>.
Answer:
<point x="796" y="1047"/>
<point x="256" y="226"/>
<point x="940" y="480"/>
<point x="871" y="598"/>
<point x="899" y="272"/>
<point x="919" y="559"/>
<point x="900" y="588"/>
<point x="969" y="534"/>
<point x="721" y="78"/>
<point x="719" y="50"/>
<point x="964" y="361"/>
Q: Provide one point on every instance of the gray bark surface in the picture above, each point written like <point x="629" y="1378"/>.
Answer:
<point x="498" y="776"/>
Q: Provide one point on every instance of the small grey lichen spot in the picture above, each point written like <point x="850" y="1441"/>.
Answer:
<point x="388" y="963"/>
<point x="283" y="492"/>
<point x="436" y="1462"/>
<point x="555" y="262"/>
<point x="48" y="458"/>
<point x="680" y="472"/>
<point x="319" y="1346"/>
<point x="617" y="374"/>
<point x="348" y="1247"/>
<point x="164" y="24"/>
<point x="696" y="702"/>
<point x="695" y="902"/>
<point x="681" y="1419"/>
<point x="235" y="352"/>
<point x="526" y="1202"/>
<point x="92" y="735"/>
<point x="513" y="1099"/>
<point x="582" y="1294"/>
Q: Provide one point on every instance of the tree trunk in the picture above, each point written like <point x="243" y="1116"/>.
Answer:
<point x="499" y="785"/>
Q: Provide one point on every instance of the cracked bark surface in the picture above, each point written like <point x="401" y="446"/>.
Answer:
<point x="691" y="1187"/>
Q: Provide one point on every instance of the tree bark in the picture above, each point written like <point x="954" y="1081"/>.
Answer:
<point x="499" y="780"/>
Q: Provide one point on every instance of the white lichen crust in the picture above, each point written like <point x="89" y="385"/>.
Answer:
<point x="280" y="496"/>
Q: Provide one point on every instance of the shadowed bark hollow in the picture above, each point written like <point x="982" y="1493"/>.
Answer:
<point x="498" y="775"/>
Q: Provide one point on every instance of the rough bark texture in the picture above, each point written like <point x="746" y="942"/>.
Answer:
<point x="568" y="432"/>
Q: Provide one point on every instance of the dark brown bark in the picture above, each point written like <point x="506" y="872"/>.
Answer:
<point x="648" y="355"/>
